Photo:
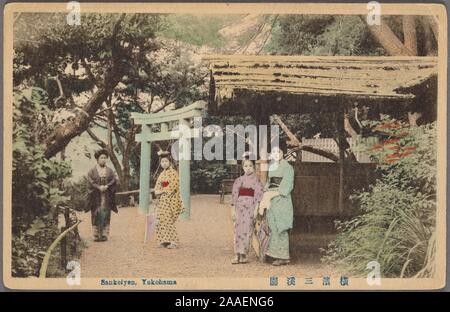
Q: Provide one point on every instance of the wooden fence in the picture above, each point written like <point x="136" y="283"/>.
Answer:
<point x="316" y="201"/>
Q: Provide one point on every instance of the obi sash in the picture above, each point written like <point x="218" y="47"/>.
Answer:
<point x="165" y="183"/>
<point x="275" y="182"/>
<point x="243" y="191"/>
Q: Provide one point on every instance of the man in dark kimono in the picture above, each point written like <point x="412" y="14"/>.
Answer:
<point x="101" y="196"/>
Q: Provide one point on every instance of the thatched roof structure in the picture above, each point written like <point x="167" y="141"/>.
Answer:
<point x="305" y="83"/>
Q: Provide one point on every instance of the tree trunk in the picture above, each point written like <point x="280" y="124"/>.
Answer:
<point x="428" y="36"/>
<point x="409" y="33"/>
<point x="130" y="144"/>
<point x="413" y="117"/>
<point x="112" y="155"/>
<point x="294" y="141"/>
<point x="388" y="40"/>
<point x="434" y="25"/>
<point x="62" y="135"/>
<point x="125" y="185"/>
<point x="348" y="127"/>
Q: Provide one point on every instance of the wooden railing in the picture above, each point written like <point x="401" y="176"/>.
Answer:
<point x="44" y="265"/>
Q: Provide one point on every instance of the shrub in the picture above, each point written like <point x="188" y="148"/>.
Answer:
<point x="397" y="224"/>
<point x="37" y="194"/>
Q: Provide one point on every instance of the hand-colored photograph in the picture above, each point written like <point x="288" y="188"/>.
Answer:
<point x="224" y="146"/>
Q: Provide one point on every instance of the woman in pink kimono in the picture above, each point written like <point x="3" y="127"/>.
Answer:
<point x="247" y="193"/>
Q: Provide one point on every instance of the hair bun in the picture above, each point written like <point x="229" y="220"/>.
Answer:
<point x="249" y="156"/>
<point x="162" y="153"/>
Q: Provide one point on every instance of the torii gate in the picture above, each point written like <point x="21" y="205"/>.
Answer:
<point x="174" y="118"/>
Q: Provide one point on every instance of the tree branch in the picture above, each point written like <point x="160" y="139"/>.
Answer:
<point x="388" y="40"/>
<point x="348" y="127"/>
<point x="100" y="142"/>
<point x="89" y="73"/>
<point x="110" y="151"/>
<point x="294" y="140"/>
<point x="319" y="152"/>
<point x="298" y="145"/>
<point x="63" y="134"/>
<point x="118" y="138"/>
<point x="434" y="25"/>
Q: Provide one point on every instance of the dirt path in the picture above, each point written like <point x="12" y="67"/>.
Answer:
<point x="206" y="248"/>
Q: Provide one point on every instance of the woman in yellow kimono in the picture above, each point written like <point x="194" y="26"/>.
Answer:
<point x="169" y="206"/>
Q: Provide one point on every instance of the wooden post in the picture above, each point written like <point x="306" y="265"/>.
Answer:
<point x="164" y="127"/>
<point x="63" y="250"/>
<point x="63" y="244"/>
<point x="146" y="136"/>
<point x="144" y="181"/>
<point x="262" y="118"/>
<point x="341" y="139"/>
<point x="184" y="169"/>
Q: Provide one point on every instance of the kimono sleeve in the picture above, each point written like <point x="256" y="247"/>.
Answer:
<point x="259" y="191"/>
<point x="91" y="180"/>
<point x="235" y="191"/>
<point x="114" y="179"/>
<point x="266" y="186"/>
<point x="287" y="182"/>
<point x="174" y="182"/>
<point x="158" y="186"/>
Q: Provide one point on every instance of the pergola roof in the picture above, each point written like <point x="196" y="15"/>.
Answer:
<point x="301" y="79"/>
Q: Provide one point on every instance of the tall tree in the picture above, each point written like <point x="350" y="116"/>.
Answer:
<point x="101" y="52"/>
<point x="171" y="78"/>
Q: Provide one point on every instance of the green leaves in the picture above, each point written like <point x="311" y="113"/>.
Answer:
<point x="35" y="178"/>
<point x="198" y="30"/>
<point x="399" y="212"/>
<point x="35" y="227"/>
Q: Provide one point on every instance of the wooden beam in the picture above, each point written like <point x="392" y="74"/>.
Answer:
<point x="341" y="139"/>
<point x="164" y="136"/>
<point x="185" y="174"/>
<point x="194" y="110"/>
<point x="261" y="117"/>
<point x="145" y="167"/>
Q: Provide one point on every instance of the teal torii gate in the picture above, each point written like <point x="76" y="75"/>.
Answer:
<point x="146" y="136"/>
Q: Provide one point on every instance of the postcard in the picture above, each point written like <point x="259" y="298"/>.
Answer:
<point x="225" y="146"/>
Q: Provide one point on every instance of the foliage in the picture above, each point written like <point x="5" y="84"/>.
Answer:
<point x="327" y="35"/>
<point x="308" y="125"/>
<point x="175" y="75"/>
<point x="51" y="46"/>
<point x="77" y="191"/>
<point x="397" y="224"/>
<point x="35" y="178"/>
<point x="29" y="245"/>
<point x="206" y="176"/>
<point x="335" y="35"/>
<point x="149" y="73"/>
<point x="37" y="196"/>
<point x="198" y="30"/>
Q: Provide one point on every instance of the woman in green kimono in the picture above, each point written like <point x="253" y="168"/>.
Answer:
<point x="100" y="198"/>
<point x="278" y="202"/>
